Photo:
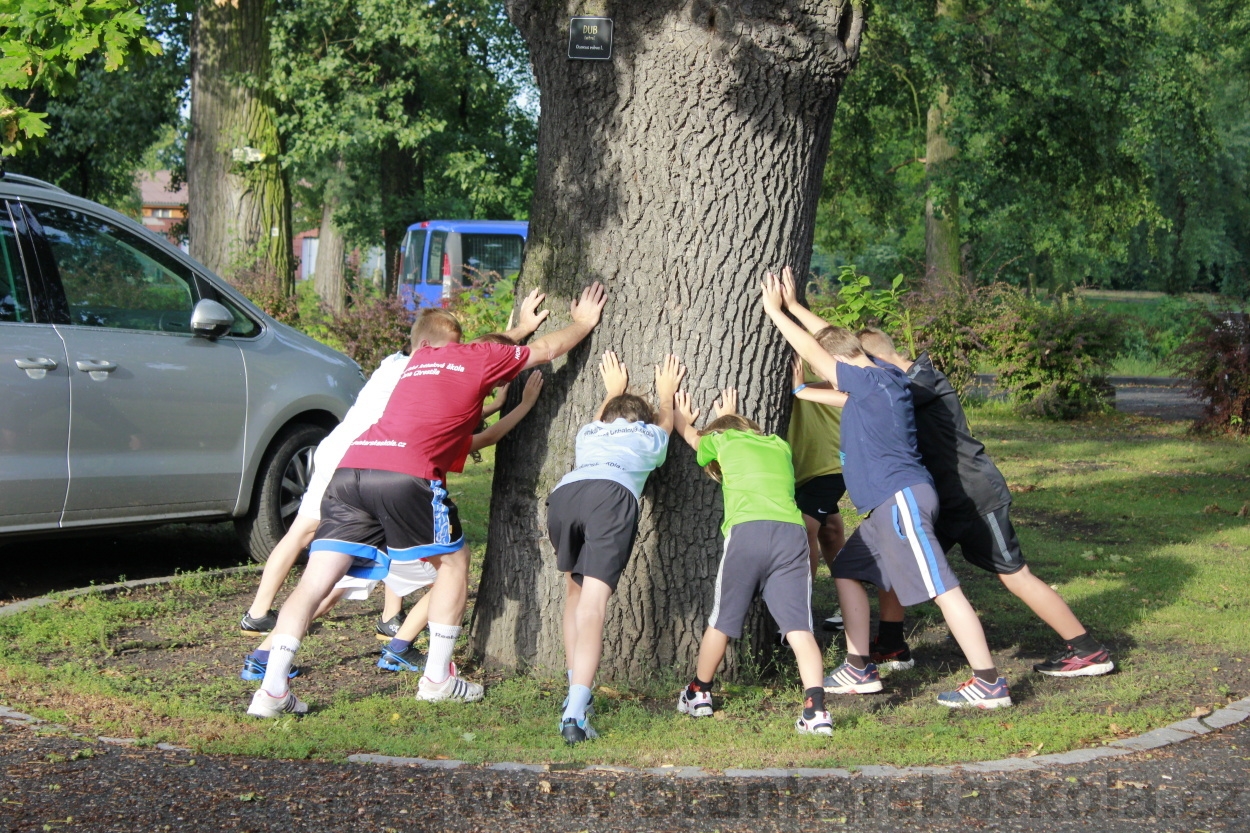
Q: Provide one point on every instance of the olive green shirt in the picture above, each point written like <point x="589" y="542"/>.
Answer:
<point x="814" y="435"/>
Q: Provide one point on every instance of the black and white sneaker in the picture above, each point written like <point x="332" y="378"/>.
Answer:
<point x="575" y="731"/>
<point x="265" y="705"/>
<point x="388" y="629"/>
<point x="266" y="623"/>
<point x="834" y="622"/>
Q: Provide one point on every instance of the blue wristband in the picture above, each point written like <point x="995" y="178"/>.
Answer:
<point x="799" y="388"/>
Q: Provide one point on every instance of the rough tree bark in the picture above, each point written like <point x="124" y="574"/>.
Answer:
<point x="329" y="272"/>
<point x="676" y="173"/>
<point x="240" y="215"/>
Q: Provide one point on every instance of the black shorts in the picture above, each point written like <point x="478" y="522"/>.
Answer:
<point x="592" y="525"/>
<point x="382" y="516"/>
<point x="986" y="541"/>
<point x="818" y="498"/>
<point x="771" y="557"/>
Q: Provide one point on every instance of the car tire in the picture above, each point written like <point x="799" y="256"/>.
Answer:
<point x="280" y="484"/>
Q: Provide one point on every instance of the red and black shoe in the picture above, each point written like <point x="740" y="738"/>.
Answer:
<point x="1072" y="663"/>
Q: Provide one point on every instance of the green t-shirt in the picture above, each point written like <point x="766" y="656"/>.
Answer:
<point x="815" y="433"/>
<point x="757" y="478"/>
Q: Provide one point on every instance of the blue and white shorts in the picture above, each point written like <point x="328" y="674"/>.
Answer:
<point x="384" y="517"/>
<point x="896" y="548"/>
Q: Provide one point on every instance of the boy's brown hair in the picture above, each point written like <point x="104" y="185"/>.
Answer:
<point x="494" y="338"/>
<point x="436" y="326"/>
<point x="628" y="407"/>
<point x="728" y="422"/>
<point x="876" y="342"/>
<point x="839" y="341"/>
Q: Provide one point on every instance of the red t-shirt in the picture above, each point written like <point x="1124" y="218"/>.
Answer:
<point x="427" y="426"/>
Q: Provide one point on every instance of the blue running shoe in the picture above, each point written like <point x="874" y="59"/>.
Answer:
<point x="976" y="692"/>
<point x="254" y="669"/>
<point x="847" y="679"/>
<point x="575" y="731"/>
<point x="410" y="659"/>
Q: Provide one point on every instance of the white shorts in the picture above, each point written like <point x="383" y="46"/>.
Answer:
<point x="404" y="577"/>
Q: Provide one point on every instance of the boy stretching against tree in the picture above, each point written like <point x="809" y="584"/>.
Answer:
<point x="975" y="514"/>
<point x="765" y="550"/>
<point x="370" y="402"/>
<point x="592" y="518"/>
<point x="895" y="546"/>
<point x="388" y="504"/>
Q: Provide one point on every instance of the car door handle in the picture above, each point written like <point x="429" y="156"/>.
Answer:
<point x="40" y="363"/>
<point x="96" y="365"/>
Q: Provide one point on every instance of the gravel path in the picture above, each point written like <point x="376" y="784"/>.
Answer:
<point x="60" y="783"/>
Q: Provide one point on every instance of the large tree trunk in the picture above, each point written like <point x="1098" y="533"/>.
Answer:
<point x="676" y="173"/>
<point x="329" y="271"/>
<point x="941" y="218"/>
<point x="240" y="206"/>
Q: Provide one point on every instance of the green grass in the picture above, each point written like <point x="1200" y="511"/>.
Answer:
<point x="1132" y="520"/>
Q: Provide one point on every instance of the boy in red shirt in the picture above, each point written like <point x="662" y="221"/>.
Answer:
<point x="386" y="507"/>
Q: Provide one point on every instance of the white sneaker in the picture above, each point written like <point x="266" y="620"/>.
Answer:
<point x="266" y="705"/>
<point x="452" y="688"/>
<point x="820" y="724"/>
<point x="700" y="705"/>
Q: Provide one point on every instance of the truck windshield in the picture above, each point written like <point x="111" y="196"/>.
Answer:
<point x="488" y="257"/>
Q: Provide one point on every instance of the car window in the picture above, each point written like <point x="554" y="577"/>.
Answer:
<point x="113" y="278"/>
<point x="14" y="297"/>
<point x="434" y="266"/>
<point x="414" y="248"/>
<point x="490" y="256"/>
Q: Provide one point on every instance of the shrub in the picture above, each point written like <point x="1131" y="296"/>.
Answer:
<point x="485" y="306"/>
<point x="1217" y="361"/>
<point x="372" y="326"/>
<point x="948" y="323"/>
<point x="851" y="302"/>
<point x="1053" y="357"/>
<point x="263" y="288"/>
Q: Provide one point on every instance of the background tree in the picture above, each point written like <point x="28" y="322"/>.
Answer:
<point x="1095" y="141"/>
<point x="42" y="44"/>
<point x="675" y="173"/>
<point x="414" y="108"/>
<point x="240" y="215"/>
<point x="101" y="127"/>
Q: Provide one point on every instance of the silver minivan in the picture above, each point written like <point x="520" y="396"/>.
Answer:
<point x="138" y="388"/>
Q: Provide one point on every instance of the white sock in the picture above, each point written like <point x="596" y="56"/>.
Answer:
<point x="570" y="672"/>
<point x="282" y="650"/>
<point x="438" y="659"/>
<point x="579" y="698"/>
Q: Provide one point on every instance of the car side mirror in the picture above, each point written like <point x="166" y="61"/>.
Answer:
<point x="211" y="320"/>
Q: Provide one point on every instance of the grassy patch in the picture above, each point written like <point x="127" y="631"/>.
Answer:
<point x="1134" y="521"/>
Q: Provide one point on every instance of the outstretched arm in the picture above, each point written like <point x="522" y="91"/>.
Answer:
<point x="615" y="380"/>
<point x="801" y="340"/>
<point x="508" y="421"/>
<point x="530" y="318"/>
<point x="684" y="415"/>
<point x="823" y="396"/>
<point x="668" y="376"/>
<point x="812" y="322"/>
<point x="585" y="312"/>
<point x="496" y="402"/>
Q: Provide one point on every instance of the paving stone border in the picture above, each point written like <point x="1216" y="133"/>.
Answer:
<point x="1178" y="732"/>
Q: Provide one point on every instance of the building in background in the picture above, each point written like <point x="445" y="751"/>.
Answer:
<point x="163" y="211"/>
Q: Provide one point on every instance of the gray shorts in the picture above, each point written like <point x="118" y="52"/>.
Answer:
<point x="896" y="549"/>
<point x="592" y="525"/>
<point x="769" y="556"/>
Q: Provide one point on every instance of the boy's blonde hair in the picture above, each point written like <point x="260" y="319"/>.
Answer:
<point x="436" y="326"/>
<point x="728" y="422"/>
<point x="628" y="407"/>
<point x="839" y="341"/>
<point x="494" y="338"/>
<point x="876" y="342"/>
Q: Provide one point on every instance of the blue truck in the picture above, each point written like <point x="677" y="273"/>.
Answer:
<point x="442" y="256"/>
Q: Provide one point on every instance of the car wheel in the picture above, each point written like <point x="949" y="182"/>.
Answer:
<point x="280" y="485"/>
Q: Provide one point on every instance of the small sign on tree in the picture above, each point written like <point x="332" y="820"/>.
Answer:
<point x="590" y="38"/>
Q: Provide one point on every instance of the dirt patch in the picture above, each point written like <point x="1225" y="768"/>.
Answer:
<point x="1062" y="525"/>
